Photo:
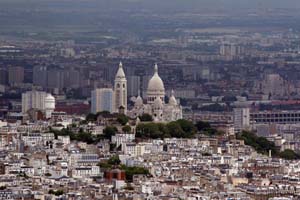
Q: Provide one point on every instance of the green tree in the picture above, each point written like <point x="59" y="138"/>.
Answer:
<point x="260" y="144"/>
<point x="175" y="130"/>
<point x="201" y="125"/>
<point x="289" y="154"/>
<point x="2" y="187"/>
<point x="56" y="193"/>
<point x="187" y="126"/>
<point x="103" y="113"/>
<point x="130" y="171"/>
<point x="85" y="137"/>
<point x="126" y="129"/>
<point x="109" y="131"/>
<point x="148" y="130"/>
<point x="48" y="174"/>
<point x="91" y="117"/>
<point x="146" y="118"/>
<point x="122" y="119"/>
<point x="114" y="160"/>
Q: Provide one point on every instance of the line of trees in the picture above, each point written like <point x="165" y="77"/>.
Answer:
<point x="263" y="146"/>
<point x="179" y="129"/>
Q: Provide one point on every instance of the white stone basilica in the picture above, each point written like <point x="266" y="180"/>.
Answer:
<point x="155" y="104"/>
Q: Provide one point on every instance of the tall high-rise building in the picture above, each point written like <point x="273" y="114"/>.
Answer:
<point x="3" y="76"/>
<point x="38" y="100"/>
<point x="241" y="118"/>
<point x="40" y="76"/>
<point x="274" y="85"/>
<point x="102" y="100"/>
<point x="231" y="50"/>
<point x="55" y="78"/>
<point x="120" y="90"/>
<point x="133" y="84"/>
<point x="15" y="75"/>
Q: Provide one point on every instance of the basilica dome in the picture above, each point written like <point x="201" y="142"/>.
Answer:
<point x="156" y="84"/>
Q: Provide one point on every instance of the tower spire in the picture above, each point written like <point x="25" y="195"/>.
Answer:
<point x="172" y="93"/>
<point x="155" y="69"/>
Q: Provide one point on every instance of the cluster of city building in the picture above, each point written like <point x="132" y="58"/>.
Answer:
<point x="235" y="81"/>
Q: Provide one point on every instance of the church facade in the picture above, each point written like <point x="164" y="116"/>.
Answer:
<point x="154" y="104"/>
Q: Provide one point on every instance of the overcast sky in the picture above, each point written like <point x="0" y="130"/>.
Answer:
<point x="178" y="3"/>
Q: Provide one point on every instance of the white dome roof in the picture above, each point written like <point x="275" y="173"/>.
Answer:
<point x="155" y="83"/>
<point x="172" y="100"/>
<point x="49" y="102"/>
<point x="120" y="72"/>
<point x="49" y="97"/>
<point x="139" y="101"/>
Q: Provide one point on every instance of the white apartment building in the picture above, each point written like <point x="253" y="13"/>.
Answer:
<point x="119" y="139"/>
<point x="133" y="149"/>
<point x="39" y="100"/>
<point x="86" y="171"/>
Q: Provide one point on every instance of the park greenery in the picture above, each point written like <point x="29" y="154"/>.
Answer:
<point x="80" y="136"/>
<point x="131" y="171"/>
<point x="178" y="129"/>
<point x="93" y="117"/>
<point x="146" y="118"/>
<point x="120" y="118"/>
<point x="263" y="146"/>
<point x="126" y="129"/>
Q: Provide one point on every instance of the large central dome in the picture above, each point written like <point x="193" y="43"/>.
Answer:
<point x="155" y="83"/>
<point x="156" y="88"/>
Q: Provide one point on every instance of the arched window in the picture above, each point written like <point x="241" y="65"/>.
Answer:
<point x="118" y="85"/>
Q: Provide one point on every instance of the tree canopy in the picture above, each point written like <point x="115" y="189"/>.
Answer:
<point x="126" y="129"/>
<point x="109" y="131"/>
<point x="179" y="129"/>
<point x="262" y="145"/>
<point x="122" y="119"/>
<point x="146" y="118"/>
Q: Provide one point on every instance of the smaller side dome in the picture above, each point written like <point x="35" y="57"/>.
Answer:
<point x="172" y="100"/>
<point x="139" y="101"/>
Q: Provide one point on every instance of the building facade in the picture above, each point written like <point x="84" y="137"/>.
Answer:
<point x="155" y="102"/>
<point x="102" y="100"/>
<point x="241" y="118"/>
<point x="38" y="100"/>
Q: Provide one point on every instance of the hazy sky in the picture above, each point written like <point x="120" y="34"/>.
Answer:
<point x="166" y="4"/>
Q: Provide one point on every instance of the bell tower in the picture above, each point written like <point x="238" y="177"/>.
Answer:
<point x="120" y="90"/>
